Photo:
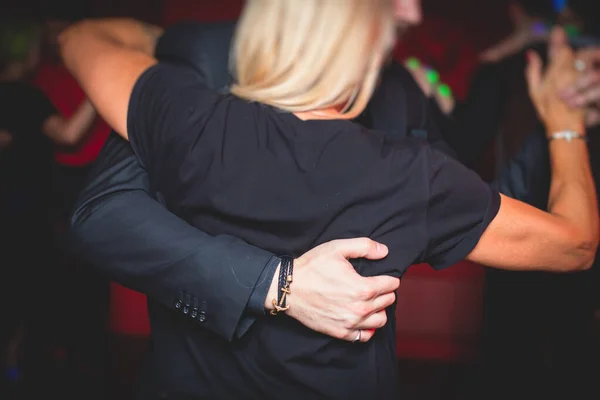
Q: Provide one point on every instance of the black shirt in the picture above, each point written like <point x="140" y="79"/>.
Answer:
<point x="25" y="163"/>
<point x="233" y="167"/>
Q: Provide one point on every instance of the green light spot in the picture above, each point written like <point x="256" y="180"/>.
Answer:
<point x="444" y="90"/>
<point x="413" y="63"/>
<point x="571" y="30"/>
<point x="432" y="76"/>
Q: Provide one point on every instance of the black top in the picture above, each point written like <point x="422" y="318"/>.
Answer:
<point x="25" y="163"/>
<point x="286" y="185"/>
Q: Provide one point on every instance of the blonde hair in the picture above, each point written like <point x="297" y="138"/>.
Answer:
<point x="303" y="55"/>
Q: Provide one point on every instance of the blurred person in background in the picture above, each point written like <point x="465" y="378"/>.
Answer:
<point x="530" y="20"/>
<point x="79" y="342"/>
<point x="537" y="332"/>
<point x="29" y="126"/>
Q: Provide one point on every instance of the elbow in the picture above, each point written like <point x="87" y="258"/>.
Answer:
<point x="67" y="40"/>
<point x="583" y="254"/>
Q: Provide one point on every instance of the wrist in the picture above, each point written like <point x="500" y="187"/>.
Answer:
<point x="272" y="293"/>
<point x="576" y="127"/>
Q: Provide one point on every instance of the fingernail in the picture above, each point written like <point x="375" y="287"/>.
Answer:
<point x="381" y="247"/>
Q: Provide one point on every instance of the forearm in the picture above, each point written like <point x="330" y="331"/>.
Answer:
<point x="71" y="131"/>
<point x="136" y="241"/>
<point x="155" y="253"/>
<point x="572" y="192"/>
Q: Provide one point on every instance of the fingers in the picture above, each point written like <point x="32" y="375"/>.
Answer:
<point x="592" y="118"/>
<point x="359" y="248"/>
<point x="367" y="334"/>
<point x="384" y="301"/>
<point x="374" y="321"/>
<point x="586" y="79"/>
<point x="372" y="316"/>
<point x="382" y="284"/>
<point x="533" y="73"/>
<point x="558" y="40"/>
<point x="585" y="91"/>
<point x="590" y="56"/>
<point x="589" y="97"/>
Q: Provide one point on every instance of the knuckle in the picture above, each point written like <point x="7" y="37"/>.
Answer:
<point x="365" y="292"/>
<point x="357" y="314"/>
<point x="363" y="310"/>
<point x="382" y="321"/>
<point x="361" y="245"/>
<point x="331" y="246"/>
<point x="351" y="318"/>
<point x="389" y="300"/>
<point x="340" y="334"/>
<point x="347" y="335"/>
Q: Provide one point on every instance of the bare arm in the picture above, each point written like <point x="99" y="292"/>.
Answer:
<point x="107" y="57"/>
<point x="566" y="237"/>
<point x="70" y="131"/>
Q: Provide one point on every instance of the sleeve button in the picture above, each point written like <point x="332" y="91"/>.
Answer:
<point x="202" y="316"/>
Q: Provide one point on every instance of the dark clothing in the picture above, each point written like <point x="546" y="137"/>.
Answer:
<point x="24" y="183"/>
<point x="119" y="185"/>
<point x="537" y="326"/>
<point x="24" y="193"/>
<point x="204" y="46"/>
<point x="117" y="194"/>
<point x="397" y="107"/>
<point x="286" y="185"/>
<point x="173" y="275"/>
<point x="177" y="258"/>
<point x="25" y="163"/>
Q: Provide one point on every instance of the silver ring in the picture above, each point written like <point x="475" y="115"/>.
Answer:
<point x="580" y="65"/>
<point x="358" y="336"/>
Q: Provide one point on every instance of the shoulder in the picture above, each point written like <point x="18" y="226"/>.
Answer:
<point x="169" y="89"/>
<point x="203" y="46"/>
<point x="170" y="74"/>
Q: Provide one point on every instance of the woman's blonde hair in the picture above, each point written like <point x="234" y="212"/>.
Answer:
<point x="303" y="55"/>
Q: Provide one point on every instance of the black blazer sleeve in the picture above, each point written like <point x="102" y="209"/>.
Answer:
<point x="124" y="232"/>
